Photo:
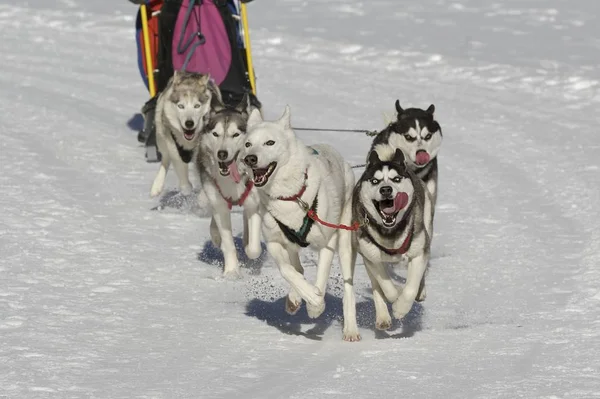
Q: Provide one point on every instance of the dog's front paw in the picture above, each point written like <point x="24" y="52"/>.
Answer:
<point x="253" y="252"/>
<point x="186" y="189"/>
<point x="351" y="335"/>
<point x="383" y="323"/>
<point x="314" y="296"/>
<point x="157" y="188"/>
<point x="315" y="311"/>
<point x="232" y="274"/>
<point x="292" y="303"/>
<point x="401" y="307"/>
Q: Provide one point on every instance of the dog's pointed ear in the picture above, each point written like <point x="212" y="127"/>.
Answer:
<point x="398" y="157"/>
<point x="215" y="91"/>
<point x="431" y="109"/>
<point x="373" y="157"/>
<point x="176" y="75"/>
<point x="285" y="120"/>
<point x="244" y="105"/>
<point x="216" y="103"/>
<point x="399" y="109"/>
<point x="205" y="79"/>
<point x="254" y="118"/>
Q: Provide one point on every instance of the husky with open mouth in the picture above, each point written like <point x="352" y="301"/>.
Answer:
<point x="419" y="136"/>
<point x="226" y="182"/>
<point x="296" y="185"/>
<point x="182" y="109"/>
<point x="395" y="212"/>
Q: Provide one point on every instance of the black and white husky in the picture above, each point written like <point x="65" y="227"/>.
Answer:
<point x="181" y="112"/>
<point x="395" y="212"/>
<point x="226" y="183"/>
<point x="419" y="136"/>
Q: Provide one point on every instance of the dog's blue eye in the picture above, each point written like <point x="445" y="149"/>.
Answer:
<point x="236" y="135"/>
<point x="408" y="137"/>
<point x="374" y="181"/>
<point x="427" y="137"/>
<point x="397" y="179"/>
<point x="180" y="106"/>
<point x="270" y="142"/>
<point x="197" y="106"/>
<point x="215" y="134"/>
<point x="247" y="145"/>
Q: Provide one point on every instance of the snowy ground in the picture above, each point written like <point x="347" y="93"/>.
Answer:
<point x="101" y="297"/>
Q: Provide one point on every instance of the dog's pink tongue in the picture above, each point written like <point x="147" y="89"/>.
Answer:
<point x="422" y="157"/>
<point x="400" y="201"/>
<point x="234" y="172"/>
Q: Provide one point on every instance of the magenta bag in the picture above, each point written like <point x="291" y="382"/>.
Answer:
<point x="200" y="41"/>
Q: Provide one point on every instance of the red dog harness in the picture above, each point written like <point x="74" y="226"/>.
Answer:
<point x="239" y="201"/>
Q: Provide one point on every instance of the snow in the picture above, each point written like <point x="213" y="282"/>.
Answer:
<point x="103" y="297"/>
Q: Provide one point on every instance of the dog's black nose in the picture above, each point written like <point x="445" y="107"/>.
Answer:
<point x="189" y="124"/>
<point x="386" y="191"/>
<point x="251" y="160"/>
<point x="222" y="155"/>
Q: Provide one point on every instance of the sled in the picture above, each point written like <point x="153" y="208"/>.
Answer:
<point x="157" y="49"/>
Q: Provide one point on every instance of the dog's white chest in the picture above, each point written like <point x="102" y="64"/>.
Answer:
<point x="376" y="255"/>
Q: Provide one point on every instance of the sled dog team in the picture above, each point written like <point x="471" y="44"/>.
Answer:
<point x="296" y="196"/>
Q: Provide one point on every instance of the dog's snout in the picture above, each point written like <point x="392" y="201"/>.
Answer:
<point x="385" y="191"/>
<point x="189" y="124"/>
<point x="222" y="155"/>
<point x="251" y="160"/>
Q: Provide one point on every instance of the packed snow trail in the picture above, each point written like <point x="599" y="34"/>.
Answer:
<point x="102" y="297"/>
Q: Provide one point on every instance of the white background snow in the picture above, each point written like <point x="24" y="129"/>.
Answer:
<point x="102" y="297"/>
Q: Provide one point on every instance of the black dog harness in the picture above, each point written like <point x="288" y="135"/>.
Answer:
<point x="186" y="155"/>
<point x="299" y="237"/>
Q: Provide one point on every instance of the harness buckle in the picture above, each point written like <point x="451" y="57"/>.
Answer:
<point x="305" y="207"/>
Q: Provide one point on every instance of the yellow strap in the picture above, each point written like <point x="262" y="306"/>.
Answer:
<point x="149" y="66"/>
<point x="248" y="47"/>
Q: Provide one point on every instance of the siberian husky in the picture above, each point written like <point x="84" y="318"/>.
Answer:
<point x="225" y="181"/>
<point x="419" y="136"/>
<point x="395" y="212"/>
<point x="294" y="181"/>
<point x="181" y="112"/>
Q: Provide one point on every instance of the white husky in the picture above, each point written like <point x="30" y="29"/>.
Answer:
<point x="181" y="112"/>
<point x="226" y="183"/>
<point x="295" y="181"/>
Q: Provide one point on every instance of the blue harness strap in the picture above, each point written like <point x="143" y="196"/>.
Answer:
<point x="190" y="44"/>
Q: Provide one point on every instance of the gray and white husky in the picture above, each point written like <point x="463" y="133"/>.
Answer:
<point x="181" y="112"/>
<point x="419" y="136"/>
<point x="226" y="183"/>
<point x="395" y="212"/>
<point x="295" y="181"/>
